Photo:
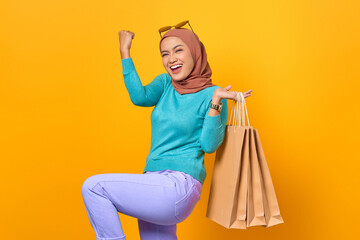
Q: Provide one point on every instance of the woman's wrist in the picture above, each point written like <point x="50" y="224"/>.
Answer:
<point x="125" y="54"/>
<point x="216" y="99"/>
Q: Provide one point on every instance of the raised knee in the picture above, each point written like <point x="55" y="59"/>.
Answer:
<point x="89" y="183"/>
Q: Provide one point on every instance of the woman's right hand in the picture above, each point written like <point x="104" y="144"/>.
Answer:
<point x="125" y="38"/>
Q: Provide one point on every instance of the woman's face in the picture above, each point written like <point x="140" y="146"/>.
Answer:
<point x="175" y="53"/>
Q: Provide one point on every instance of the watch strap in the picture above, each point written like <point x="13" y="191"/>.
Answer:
<point x="216" y="106"/>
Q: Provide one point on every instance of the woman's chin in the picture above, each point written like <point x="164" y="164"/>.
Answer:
<point x="177" y="77"/>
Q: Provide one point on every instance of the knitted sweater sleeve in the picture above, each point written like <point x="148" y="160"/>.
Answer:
<point x="144" y="96"/>
<point x="213" y="131"/>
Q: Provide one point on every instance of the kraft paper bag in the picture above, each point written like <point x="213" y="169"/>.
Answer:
<point x="239" y="217"/>
<point x="272" y="210"/>
<point x="241" y="192"/>
<point x="225" y="180"/>
<point x="226" y="185"/>
<point x="256" y="215"/>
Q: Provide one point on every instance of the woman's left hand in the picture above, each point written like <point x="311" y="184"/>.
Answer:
<point x="223" y="93"/>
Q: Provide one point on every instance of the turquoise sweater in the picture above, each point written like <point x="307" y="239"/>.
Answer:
<point x="181" y="128"/>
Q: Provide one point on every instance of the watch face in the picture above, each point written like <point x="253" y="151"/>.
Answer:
<point x="216" y="107"/>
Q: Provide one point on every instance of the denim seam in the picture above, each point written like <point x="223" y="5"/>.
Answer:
<point x="105" y="238"/>
<point x="95" y="226"/>
<point x="134" y="182"/>
<point x="196" y="189"/>
<point x="187" y="194"/>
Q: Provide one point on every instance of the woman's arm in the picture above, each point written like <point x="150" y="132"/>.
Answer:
<point x="125" y="39"/>
<point x="213" y="130"/>
<point x="145" y="96"/>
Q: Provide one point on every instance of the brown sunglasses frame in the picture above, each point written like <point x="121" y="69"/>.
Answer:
<point x="179" y="25"/>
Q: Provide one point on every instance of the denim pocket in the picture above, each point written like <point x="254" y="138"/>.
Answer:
<point x="186" y="205"/>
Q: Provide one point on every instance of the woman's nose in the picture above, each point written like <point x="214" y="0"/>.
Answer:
<point x="172" y="58"/>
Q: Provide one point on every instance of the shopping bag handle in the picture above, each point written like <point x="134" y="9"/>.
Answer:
<point x="239" y="113"/>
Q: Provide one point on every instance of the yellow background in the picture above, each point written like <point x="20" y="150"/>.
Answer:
<point x="66" y="114"/>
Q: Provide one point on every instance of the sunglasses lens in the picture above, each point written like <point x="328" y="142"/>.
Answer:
<point x="163" y="29"/>
<point x="179" y="25"/>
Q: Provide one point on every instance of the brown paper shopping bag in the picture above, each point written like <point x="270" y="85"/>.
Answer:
<point x="256" y="215"/>
<point x="241" y="193"/>
<point x="238" y="219"/>
<point x="225" y="180"/>
<point x="226" y="185"/>
<point x="272" y="210"/>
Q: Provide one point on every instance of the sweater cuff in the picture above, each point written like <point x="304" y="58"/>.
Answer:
<point x="128" y="65"/>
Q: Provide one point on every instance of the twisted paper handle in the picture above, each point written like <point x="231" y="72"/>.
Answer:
<point x="239" y="113"/>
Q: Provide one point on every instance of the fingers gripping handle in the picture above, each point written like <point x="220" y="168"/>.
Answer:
<point x="238" y="111"/>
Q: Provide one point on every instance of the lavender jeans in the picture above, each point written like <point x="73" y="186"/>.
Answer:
<point x="159" y="200"/>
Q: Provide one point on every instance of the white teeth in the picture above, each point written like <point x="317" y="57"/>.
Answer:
<point x="173" y="67"/>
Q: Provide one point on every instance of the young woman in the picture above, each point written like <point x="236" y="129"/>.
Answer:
<point x="189" y="119"/>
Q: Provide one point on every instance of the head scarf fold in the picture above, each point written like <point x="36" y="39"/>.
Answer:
<point x="200" y="77"/>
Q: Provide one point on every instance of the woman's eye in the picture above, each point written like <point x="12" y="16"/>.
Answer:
<point x="175" y="51"/>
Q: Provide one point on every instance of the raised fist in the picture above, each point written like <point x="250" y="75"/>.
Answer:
<point x="125" y="38"/>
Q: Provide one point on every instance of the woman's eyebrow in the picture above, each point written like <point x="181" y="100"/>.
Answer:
<point x="173" y="47"/>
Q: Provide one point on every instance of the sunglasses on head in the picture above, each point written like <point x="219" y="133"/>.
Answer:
<point x="179" y="25"/>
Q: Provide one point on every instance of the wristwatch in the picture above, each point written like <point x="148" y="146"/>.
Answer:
<point x="216" y="107"/>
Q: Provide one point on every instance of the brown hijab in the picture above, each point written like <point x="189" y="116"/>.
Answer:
<point x="199" y="77"/>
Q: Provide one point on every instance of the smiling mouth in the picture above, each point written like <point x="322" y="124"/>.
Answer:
<point x="176" y="69"/>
